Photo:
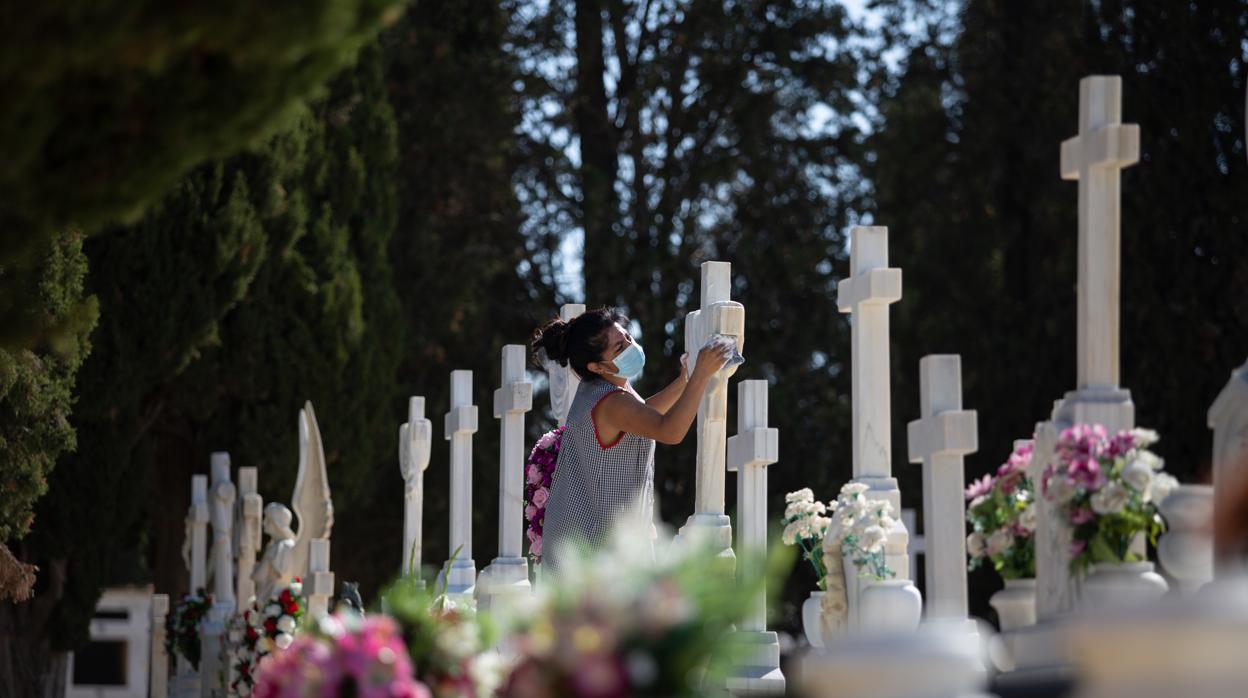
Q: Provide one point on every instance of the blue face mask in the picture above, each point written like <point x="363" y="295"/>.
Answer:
<point x="629" y="363"/>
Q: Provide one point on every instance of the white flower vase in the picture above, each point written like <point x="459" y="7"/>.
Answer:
<point x="1118" y="584"/>
<point x="889" y="606"/>
<point x="1015" y="604"/>
<point x="1185" y="551"/>
<point x="812" y="619"/>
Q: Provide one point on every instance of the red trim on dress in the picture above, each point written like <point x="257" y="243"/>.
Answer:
<point x="593" y="418"/>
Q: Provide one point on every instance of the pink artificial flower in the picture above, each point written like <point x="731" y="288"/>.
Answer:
<point x="1009" y="481"/>
<point x="540" y="496"/>
<point x="531" y="535"/>
<point x="1081" y="440"/>
<point x="1086" y="471"/>
<point x="1120" y="444"/>
<point x="1081" y="516"/>
<point x="535" y="546"/>
<point x="1077" y="547"/>
<point x="547" y="440"/>
<point x="979" y="487"/>
<point x="534" y="474"/>
<point x="529" y="512"/>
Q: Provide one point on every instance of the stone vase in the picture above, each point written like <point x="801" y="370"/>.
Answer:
<point x="1185" y="551"/>
<point x="1015" y="604"/>
<point x="889" y="606"/>
<point x="1118" y="584"/>
<point x="812" y="619"/>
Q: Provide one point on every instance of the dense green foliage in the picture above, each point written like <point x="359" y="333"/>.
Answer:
<point x="965" y="173"/>
<point x="107" y="104"/>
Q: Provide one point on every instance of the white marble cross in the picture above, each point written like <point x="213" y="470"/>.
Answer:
<point x="1228" y="418"/>
<point x="871" y="287"/>
<point x="917" y="544"/>
<point x="251" y="516"/>
<point x="197" y="534"/>
<point x="1096" y="158"/>
<point x="563" y="380"/>
<point x="939" y="440"/>
<point x="754" y="447"/>
<point x="509" y="572"/>
<point x="321" y="580"/>
<point x="415" y="443"/>
<point x="717" y="315"/>
<point x="459" y="579"/>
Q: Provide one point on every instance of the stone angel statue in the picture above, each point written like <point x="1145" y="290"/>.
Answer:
<point x="311" y="501"/>
<point x="276" y="566"/>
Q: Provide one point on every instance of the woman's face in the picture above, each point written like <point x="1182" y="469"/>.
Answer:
<point x="618" y="340"/>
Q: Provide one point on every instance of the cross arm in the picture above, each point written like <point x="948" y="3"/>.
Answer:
<point x="953" y="433"/>
<point x="1113" y="146"/>
<point x="461" y="420"/>
<point x="874" y="286"/>
<point x="757" y="447"/>
<point x="513" y="397"/>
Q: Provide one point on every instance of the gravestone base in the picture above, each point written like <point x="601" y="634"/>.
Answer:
<point x="213" y="667"/>
<point x="503" y="583"/>
<point x="711" y="530"/>
<point x="760" y="673"/>
<point x="459" y="582"/>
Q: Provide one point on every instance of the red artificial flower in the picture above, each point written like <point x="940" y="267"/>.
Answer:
<point x="252" y="634"/>
<point x="285" y="597"/>
<point x="270" y="626"/>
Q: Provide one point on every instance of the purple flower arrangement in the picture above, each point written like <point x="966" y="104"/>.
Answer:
<point x="539" y="470"/>
<point x="1107" y="488"/>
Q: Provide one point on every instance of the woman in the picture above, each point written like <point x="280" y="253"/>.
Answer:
<point x="606" y="461"/>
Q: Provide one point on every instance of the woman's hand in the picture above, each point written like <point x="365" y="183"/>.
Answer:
<point x="684" y="366"/>
<point x="711" y="359"/>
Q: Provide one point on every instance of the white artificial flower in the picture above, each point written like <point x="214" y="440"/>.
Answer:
<point x="273" y="610"/>
<point x="236" y="636"/>
<point x="286" y="624"/>
<point x="487" y="671"/>
<point x="854" y="488"/>
<point x="873" y="539"/>
<point x="819" y="526"/>
<point x="802" y="495"/>
<point x="1163" y="485"/>
<point x="1144" y="437"/>
<point x="977" y="501"/>
<point x="1139" y="474"/>
<point x="459" y="640"/>
<point x="296" y="588"/>
<point x="1061" y="489"/>
<point x="1110" y="499"/>
<point x="975" y="544"/>
<point x="789" y="537"/>
<point x="283" y="640"/>
<point x="243" y="689"/>
<point x="1149" y="459"/>
<point x="999" y="541"/>
<point x="1029" y="519"/>
<point x="264" y="645"/>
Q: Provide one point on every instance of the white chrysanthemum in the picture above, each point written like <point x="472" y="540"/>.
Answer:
<point x="488" y="670"/>
<point x="975" y="544"/>
<point x="283" y="640"/>
<point x="1029" y="518"/>
<point x="873" y="539"/>
<point x="286" y="624"/>
<point x="789" y="537"/>
<point x="1110" y="499"/>
<point x="999" y="541"/>
<point x="802" y="495"/>
<point x="273" y="610"/>
<point x="459" y="640"/>
<point x="1144" y="437"/>
<point x="1149" y="459"/>
<point x="1163" y="485"/>
<point x="264" y="645"/>
<point x="1139" y="474"/>
<point x="854" y="488"/>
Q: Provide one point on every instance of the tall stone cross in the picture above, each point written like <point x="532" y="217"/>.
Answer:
<point x="717" y="314"/>
<point x="754" y="447"/>
<point x="866" y="294"/>
<point x="939" y="440"/>
<point x="508" y="574"/>
<point x="320" y="579"/>
<point x="415" y="442"/>
<point x="213" y="663"/>
<point x="196" y="552"/>
<point x="460" y="574"/>
<point x="1095" y="158"/>
<point x="249" y="527"/>
<point x="563" y="380"/>
<point x="158" y="662"/>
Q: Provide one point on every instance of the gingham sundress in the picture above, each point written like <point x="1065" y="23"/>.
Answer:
<point x="594" y="481"/>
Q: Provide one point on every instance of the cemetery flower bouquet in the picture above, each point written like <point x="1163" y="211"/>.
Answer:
<point x="348" y="656"/>
<point x="621" y="623"/>
<point x="259" y="631"/>
<point x="1002" y="514"/>
<point x="449" y="644"/>
<point x="1107" y="488"/>
<point x="182" y="626"/>
<point x="860" y="526"/>
<point x="538" y="471"/>
<point x="805" y="527"/>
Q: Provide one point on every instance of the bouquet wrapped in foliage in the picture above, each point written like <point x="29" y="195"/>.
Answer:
<point x="1002" y="514"/>
<point x="1107" y="488"/>
<point x="448" y="644"/>
<point x="860" y="529"/>
<point x="539" y="470"/>
<point x="805" y="527"/>
<point x="621" y="624"/>
<point x="349" y="656"/>
<point x="182" y="626"/>
<point x="259" y="631"/>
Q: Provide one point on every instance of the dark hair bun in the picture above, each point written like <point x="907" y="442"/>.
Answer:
<point x="552" y="340"/>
